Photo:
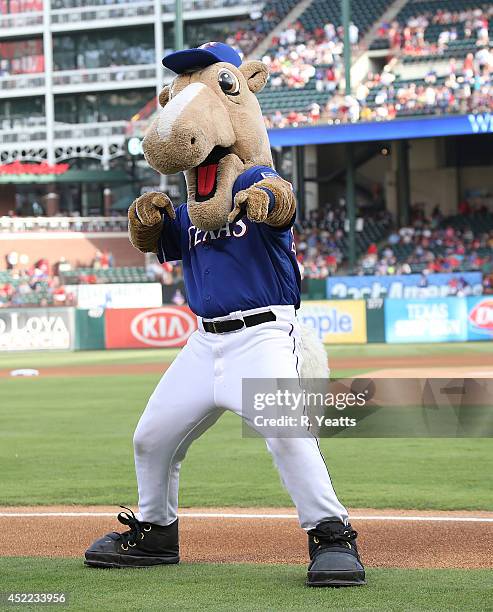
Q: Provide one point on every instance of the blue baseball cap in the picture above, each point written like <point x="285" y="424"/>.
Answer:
<point x="205" y="55"/>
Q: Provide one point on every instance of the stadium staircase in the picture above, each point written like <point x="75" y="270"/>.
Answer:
<point x="373" y="233"/>
<point x="388" y="16"/>
<point x="293" y="15"/>
<point x="366" y="15"/>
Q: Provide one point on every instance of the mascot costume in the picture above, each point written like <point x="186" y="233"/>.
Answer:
<point x="234" y="237"/>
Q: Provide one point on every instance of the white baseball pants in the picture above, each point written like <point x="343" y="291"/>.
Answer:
<point x="204" y="381"/>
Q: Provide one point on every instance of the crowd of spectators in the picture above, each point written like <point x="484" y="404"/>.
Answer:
<point x="318" y="250"/>
<point x="465" y="86"/>
<point x="321" y="238"/>
<point x="432" y="245"/>
<point x="297" y="55"/>
<point x="246" y="38"/>
<point x="35" y="285"/>
<point x="380" y="98"/>
<point x="410" y="37"/>
<point x="428" y="244"/>
<point x="43" y="284"/>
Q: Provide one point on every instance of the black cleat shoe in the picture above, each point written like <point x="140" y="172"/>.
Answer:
<point x="143" y="545"/>
<point x="334" y="556"/>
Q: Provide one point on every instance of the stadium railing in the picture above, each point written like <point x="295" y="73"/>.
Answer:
<point x="63" y="224"/>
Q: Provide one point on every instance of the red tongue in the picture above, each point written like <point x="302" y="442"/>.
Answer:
<point x="206" y="178"/>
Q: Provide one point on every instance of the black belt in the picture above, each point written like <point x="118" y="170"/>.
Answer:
<point x="231" y="325"/>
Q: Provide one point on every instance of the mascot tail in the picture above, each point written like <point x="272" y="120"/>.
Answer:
<point x="314" y="363"/>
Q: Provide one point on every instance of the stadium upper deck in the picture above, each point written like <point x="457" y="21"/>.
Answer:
<point x="73" y="72"/>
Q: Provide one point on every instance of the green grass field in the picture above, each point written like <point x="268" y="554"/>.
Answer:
<point x="69" y="441"/>
<point x="226" y="588"/>
<point x="61" y="358"/>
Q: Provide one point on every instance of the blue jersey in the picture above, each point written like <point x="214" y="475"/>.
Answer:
<point x="241" y="266"/>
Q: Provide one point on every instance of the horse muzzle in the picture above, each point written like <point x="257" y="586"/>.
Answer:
<point x="187" y="129"/>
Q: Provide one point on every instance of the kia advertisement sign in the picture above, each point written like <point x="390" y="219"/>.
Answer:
<point x="480" y="318"/>
<point x="33" y="329"/>
<point x="165" y="327"/>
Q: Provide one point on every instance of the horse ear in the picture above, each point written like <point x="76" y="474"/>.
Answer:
<point x="256" y="74"/>
<point x="164" y="95"/>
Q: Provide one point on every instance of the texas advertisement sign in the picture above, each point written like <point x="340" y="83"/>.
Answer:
<point x="336" y="321"/>
<point x="480" y="318"/>
<point x="443" y="320"/>
<point x="169" y="326"/>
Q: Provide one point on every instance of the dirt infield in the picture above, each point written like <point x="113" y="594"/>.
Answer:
<point x="452" y="361"/>
<point x="390" y="538"/>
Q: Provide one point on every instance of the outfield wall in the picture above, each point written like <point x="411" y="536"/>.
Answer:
<point x="398" y="321"/>
<point x="448" y="319"/>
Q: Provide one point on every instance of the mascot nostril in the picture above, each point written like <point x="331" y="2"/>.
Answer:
<point x="235" y="240"/>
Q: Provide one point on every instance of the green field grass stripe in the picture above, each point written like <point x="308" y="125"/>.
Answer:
<point x="242" y="587"/>
<point x="80" y="453"/>
<point x="38" y="359"/>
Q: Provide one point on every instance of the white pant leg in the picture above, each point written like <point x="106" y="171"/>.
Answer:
<point x="180" y="409"/>
<point x="271" y="350"/>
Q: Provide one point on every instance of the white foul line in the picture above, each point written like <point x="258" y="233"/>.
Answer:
<point x="226" y="515"/>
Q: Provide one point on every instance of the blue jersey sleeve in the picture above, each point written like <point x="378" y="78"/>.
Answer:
<point x="254" y="175"/>
<point x="169" y="245"/>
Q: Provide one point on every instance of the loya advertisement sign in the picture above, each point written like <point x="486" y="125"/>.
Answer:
<point x="336" y="321"/>
<point x="164" y="327"/>
<point x="29" y="329"/>
<point x="480" y="318"/>
<point x="443" y="320"/>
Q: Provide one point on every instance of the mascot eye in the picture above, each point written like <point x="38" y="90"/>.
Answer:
<point x="228" y="83"/>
